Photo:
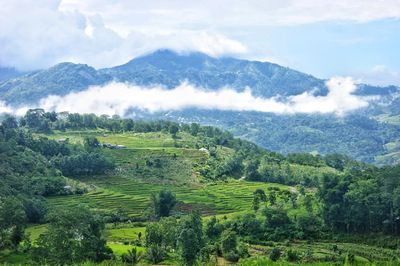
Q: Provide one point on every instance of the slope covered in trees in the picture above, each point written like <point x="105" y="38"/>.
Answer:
<point x="159" y="191"/>
<point x="369" y="134"/>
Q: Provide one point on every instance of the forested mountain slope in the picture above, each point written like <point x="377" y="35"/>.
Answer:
<point x="369" y="134"/>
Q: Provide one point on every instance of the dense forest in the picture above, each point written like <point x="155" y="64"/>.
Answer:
<point x="329" y="196"/>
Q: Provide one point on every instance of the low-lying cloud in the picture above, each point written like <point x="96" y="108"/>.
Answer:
<point x="121" y="98"/>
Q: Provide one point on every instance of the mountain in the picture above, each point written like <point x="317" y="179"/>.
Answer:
<point x="9" y="73"/>
<point x="369" y="134"/>
<point x="170" y="69"/>
<point x="60" y="79"/>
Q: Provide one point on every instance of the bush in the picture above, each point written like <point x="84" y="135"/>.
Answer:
<point x="292" y="255"/>
<point x="231" y="256"/>
<point x="155" y="254"/>
<point x="132" y="257"/>
<point x="243" y="251"/>
<point x="275" y="254"/>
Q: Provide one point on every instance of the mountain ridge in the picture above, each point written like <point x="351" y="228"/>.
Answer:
<point x="370" y="134"/>
<point x="170" y="69"/>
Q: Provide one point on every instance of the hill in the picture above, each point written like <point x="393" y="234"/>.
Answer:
<point x="55" y="164"/>
<point x="369" y="134"/>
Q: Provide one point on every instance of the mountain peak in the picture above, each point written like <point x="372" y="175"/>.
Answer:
<point x="171" y="58"/>
<point x="70" y="65"/>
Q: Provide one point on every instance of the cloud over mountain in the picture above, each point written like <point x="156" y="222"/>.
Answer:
<point x="48" y="34"/>
<point x="120" y="98"/>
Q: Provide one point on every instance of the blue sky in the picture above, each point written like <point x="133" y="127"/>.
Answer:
<point x="333" y="48"/>
<point x="358" y="38"/>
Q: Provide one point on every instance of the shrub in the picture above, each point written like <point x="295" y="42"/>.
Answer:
<point x="292" y="255"/>
<point x="155" y="254"/>
<point x="231" y="256"/>
<point x="243" y="251"/>
<point x="275" y="254"/>
<point x="132" y="257"/>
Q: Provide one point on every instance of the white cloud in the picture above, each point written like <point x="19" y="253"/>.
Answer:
<point x="103" y="33"/>
<point x="119" y="98"/>
<point x="48" y="34"/>
<point x="5" y="108"/>
<point x="338" y="100"/>
<point x="232" y="13"/>
<point x="380" y="75"/>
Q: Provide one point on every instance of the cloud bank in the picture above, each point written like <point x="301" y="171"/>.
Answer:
<point x="122" y="98"/>
<point x="49" y="34"/>
<point x="105" y="33"/>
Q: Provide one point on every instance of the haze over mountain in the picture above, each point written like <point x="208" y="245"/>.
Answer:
<point x="280" y="108"/>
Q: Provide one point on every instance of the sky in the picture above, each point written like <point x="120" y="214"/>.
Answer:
<point x="358" y="38"/>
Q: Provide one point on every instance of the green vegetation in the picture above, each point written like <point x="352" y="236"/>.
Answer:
<point x="81" y="187"/>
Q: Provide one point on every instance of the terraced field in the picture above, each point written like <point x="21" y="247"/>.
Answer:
<point x="155" y="161"/>
<point x="152" y="162"/>
<point x="334" y="251"/>
<point x="132" y="195"/>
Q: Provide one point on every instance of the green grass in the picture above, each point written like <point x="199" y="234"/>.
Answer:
<point x="8" y="257"/>
<point x="120" y="249"/>
<point x="139" y="140"/>
<point x="132" y="195"/>
<point x="136" y="178"/>
<point x="323" y="251"/>
<point x="35" y="230"/>
<point x="125" y="233"/>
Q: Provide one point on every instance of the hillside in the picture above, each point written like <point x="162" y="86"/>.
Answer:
<point x="117" y="169"/>
<point x="367" y="134"/>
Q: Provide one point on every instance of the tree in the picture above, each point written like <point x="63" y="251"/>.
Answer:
<point x="90" y="143"/>
<point x="128" y="124"/>
<point x="9" y="122"/>
<point x="308" y="225"/>
<point x="154" y="242"/>
<point x="275" y="254"/>
<point x="308" y="203"/>
<point x="258" y="196"/>
<point x="12" y="222"/>
<point x="154" y="234"/>
<point x="228" y="241"/>
<point x="277" y="223"/>
<point x="133" y="256"/>
<point x="169" y="229"/>
<point x="163" y="203"/>
<point x="194" y="129"/>
<point x="189" y="246"/>
<point x="213" y="229"/>
<point x="190" y="240"/>
<point x="36" y="119"/>
<point x="251" y="170"/>
<point x="173" y="129"/>
<point x="74" y="235"/>
<point x="155" y="254"/>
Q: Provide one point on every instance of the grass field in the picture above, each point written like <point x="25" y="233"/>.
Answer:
<point x="132" y="195"/>
<point x="324" y="251"/>
<point x="152" y="162"/>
